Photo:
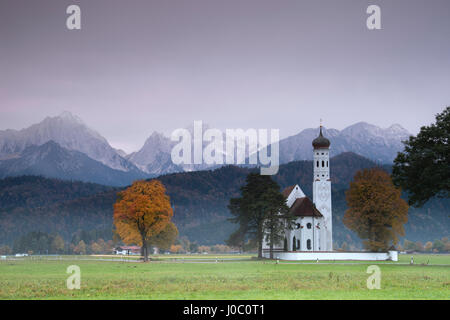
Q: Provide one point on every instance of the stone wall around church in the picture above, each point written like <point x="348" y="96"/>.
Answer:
<point x="332" y="256"/>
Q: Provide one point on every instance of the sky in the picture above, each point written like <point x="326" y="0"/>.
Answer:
<point x="140" y="66"/>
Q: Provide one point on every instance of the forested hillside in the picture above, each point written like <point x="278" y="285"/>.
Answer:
<point x="199" y="199"/>
<point x="55" y="206"/>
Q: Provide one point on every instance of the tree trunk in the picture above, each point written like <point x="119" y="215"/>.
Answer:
<point x="370" y="236"/>
<point x="144" y="250"/>
<point x="260" y="240"/>
<point x="271" y="244"/>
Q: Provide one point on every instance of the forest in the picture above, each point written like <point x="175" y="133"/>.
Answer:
<point x="78" y="211"/>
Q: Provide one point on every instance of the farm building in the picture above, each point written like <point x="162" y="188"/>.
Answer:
<point x="128" y="250"/>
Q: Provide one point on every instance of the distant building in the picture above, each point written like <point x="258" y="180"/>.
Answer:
<point x="313" y="227"/>
<point x="128" y="250"/>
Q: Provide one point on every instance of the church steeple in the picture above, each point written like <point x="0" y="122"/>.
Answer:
<point x="322" y="188"/>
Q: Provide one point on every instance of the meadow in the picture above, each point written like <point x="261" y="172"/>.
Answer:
<point x="222" y="277"/>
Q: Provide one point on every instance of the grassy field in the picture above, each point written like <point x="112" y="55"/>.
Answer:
<point x="201" y="277"/>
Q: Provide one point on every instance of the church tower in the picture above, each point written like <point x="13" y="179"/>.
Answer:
<point x="322" y="190"/>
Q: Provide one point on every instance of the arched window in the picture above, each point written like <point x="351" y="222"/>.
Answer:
<point x="317" y="163"/>
<point x="323" y="163"/>
<point x="308" y="244"/>
<point x="308" y="225"/>
<point x="298" y="244"/>
<point x="327" y="164"/>
<point x="294" y="242"/>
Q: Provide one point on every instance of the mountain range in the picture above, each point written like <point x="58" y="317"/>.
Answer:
<point x="52" y="160"/>
<point x="199" y="200"/>
<point x="65" y="147"/>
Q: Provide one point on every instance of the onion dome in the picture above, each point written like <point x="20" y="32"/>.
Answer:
<point x="321" y="142"/>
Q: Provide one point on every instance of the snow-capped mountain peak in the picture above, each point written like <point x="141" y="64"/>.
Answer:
<point x="70" y="132"/>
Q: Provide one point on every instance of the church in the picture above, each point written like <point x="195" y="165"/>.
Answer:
<point x="312" y="229"/>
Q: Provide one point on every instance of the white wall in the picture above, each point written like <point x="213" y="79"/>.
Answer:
<point x="364" y="256"/>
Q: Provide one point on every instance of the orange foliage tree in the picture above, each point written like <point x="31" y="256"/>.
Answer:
<point x="375" y="210"/>
<point x="142" y="212"/>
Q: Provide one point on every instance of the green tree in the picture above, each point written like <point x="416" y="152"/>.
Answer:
<point x="255" y="206"/>
<point x="375" y="210"/>
<point x="409" y="245"/>
<point x="277" y="218"/>
<point x="237" y="239"/>
<point x="423" y="169"/>
<point x="165" y="238"/>
<point x="438" y="245"/>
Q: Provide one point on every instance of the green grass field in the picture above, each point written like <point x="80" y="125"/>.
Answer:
<point x="200" y="277"/>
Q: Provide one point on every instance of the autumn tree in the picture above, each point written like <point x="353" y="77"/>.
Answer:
<point x="176" y="248"/>
<point x="423" y="169"/>
<point x="428" y="246"/>
<point x="57" y="245"/>
<point x="80" y="248"/>
<point x="5" y="250"/>
<point x="375" y="210"/>
<point x="95" y="248"/>
<point x="344" y="246"/>
<point x="141" y="212"/>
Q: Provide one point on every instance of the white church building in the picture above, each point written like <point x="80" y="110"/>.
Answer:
<point x="313" y="225"/>
<point x="312" y="235"/>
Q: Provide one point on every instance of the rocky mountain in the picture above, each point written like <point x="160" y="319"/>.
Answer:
<point x="68" y="131"/>
<point x="375" y="143"/>
<point x="154" y="158"/>
<point x="52" y="160"/>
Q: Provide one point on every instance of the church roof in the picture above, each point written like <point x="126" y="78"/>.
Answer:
<point x="321" y="142"/>
<point x="304" y="207"/>
<point x="287" y="191"/>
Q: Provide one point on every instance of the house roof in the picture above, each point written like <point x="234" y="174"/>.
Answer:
<point x="287" y="191"/>
<point x="129" y="248"/>
<point x="304" y="207"/>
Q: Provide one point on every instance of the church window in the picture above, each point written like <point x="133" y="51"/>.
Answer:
<point x="298" y="243"/>
<point x="308" y="244"/>
<point x="317" y="163"/>
<point x="327" y="164"/>
<point x="294" y="242"/>
<point x="323" y="163"/>
<point x="308" y="225"/>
